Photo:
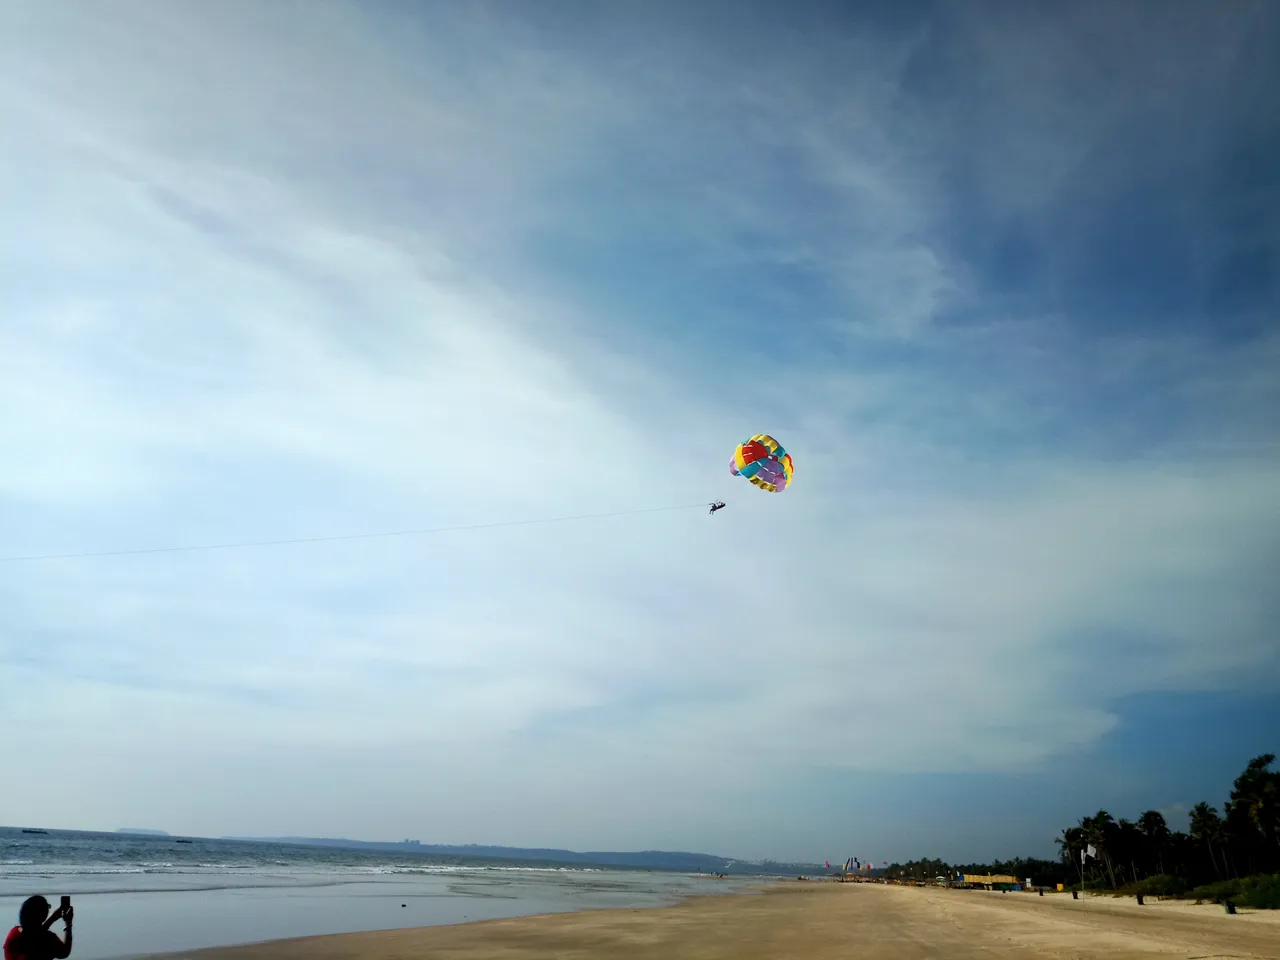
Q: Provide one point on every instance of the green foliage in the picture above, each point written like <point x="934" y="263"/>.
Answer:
<point x="1244" y="840"/>
<point x="1261" y="892"/>
<point x="1215" y="892"/>
<point x="1161" y="885"/>
<point x="1233" y="855"/>
<point x="1040" y="872"/>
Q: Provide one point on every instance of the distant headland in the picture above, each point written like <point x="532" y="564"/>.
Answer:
<point x="642" y="860"/>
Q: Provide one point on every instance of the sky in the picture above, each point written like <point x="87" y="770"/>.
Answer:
<point x="1003" y="277"/>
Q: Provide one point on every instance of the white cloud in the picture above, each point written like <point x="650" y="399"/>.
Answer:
<point x="251" y="296"/>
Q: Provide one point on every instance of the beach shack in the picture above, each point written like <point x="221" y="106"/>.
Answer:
<point x="988" y="881"/>
<point x="854" y="871"/>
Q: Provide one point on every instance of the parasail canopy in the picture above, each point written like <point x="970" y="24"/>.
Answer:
<point x="764" y="462"/>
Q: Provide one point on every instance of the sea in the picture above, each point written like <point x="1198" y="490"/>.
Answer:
<point x="139" y="895"/>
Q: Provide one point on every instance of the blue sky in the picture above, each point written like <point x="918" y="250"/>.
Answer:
<point x="1004" y="279"/>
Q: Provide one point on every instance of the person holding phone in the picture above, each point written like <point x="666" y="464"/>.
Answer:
<point x="32" y="939"/>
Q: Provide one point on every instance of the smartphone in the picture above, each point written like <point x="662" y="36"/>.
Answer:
<point x="66" y="902"/>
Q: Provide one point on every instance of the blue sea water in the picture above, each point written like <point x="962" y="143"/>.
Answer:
<point x="138" y="895"/>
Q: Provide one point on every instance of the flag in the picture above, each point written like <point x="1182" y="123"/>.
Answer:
<point x="1089" y="851"/>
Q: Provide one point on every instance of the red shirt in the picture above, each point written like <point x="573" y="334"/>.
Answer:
<point x="39" y="945"/>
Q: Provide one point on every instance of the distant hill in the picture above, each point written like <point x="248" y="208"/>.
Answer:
<point x="143" y="833"/>
<point x="638" y="860"/>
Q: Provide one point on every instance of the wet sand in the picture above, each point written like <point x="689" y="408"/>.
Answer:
<point x="823" y="921"/>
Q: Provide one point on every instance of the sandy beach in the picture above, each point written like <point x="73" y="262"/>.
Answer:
<point x="821" y="921"/>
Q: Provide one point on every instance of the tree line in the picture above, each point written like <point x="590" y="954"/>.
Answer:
<point x="1237" y="849"/>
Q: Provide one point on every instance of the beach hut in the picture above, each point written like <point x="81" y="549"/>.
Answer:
<point x="989" y="881"/>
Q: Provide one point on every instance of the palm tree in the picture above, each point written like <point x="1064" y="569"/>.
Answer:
<point x="1237" y="832"/>
<point x="1127" y="845"/>
<point x="1205" y="828"/>
<point x="1153" y="827"/>
<point x="1070" y="843"/>
<point x="1257" y="793"/>
<point x="1100" y="830"/>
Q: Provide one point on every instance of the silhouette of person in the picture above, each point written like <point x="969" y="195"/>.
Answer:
<point x="32" y="939"/>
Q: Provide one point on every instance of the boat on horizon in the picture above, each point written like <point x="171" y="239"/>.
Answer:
<point x="25" y="830"/>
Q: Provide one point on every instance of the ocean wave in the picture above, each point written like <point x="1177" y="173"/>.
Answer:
<point x="452" y="869"/>
<point x="515" y="869"/>
<point x="62" y="869"/>
<point x="391" y="871"/>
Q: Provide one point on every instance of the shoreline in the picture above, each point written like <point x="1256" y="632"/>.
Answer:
<point x="817" y="920"/>
<point x="320" y="944"/>
<point x="144" y="896"/>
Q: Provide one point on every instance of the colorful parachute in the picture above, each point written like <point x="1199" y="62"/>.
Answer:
<point x="763" y="461"/>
